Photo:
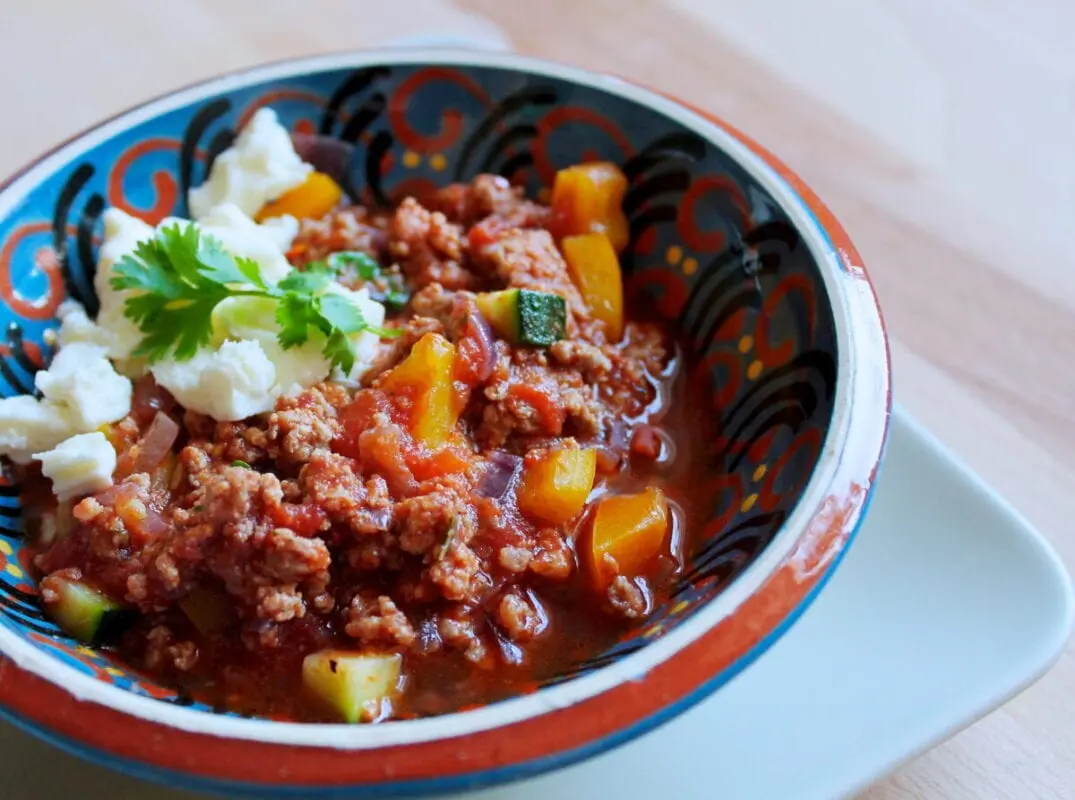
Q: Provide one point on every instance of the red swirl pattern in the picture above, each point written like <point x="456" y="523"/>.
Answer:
<point x="564" y="115"/>
<point x="724" y="391"/>
<point x="733" y="481"/>
<point x="45" y="261"/>
<point x="279" y="96"/>
<point x="32" y="351"/>
<point x="165" y="185"/>
<point x="452" y="120"/>
<point x="687" y="221"/>
<point x="769" y="498"/>
<point x="773" y="355"/>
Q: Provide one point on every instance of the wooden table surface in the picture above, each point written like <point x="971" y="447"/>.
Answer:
<point x="941" y="133"/>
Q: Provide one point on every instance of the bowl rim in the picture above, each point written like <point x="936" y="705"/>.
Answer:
<point x="809" y="542"/>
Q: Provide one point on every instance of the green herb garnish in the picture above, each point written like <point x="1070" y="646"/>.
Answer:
<point x="240" y="463"/>
<point x="181" y="274"/>
<point x="384" y="288"/>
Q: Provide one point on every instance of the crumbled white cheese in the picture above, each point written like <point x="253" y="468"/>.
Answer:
<point x="27" y="425"/>
<point x="241" y="236"/>
<point x="76" y="326"/>
<point x="122" y="233"/>
<point x="79" y="465"/>
<point x="231" y="383"/>
<point x="259" y="167"/>
<point x="81" y="380"/>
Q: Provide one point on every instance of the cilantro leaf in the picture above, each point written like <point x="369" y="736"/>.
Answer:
<point x="309" y="281"/>
<point x="362" y="263"/>
<point x="177" y="278"/>
<point x="294" y="315"/>
<point x="341" y="313"/>
<point x="340" y="351"/>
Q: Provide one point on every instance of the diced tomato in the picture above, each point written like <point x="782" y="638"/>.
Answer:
<point x="358" y="417"/>
<point x="305" y="519"/>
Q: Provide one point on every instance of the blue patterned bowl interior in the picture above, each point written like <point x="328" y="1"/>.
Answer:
<point x="709" y="245"/>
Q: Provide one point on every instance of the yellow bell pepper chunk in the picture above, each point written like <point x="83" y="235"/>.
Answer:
<point x="588" y="198"/>
<point x="556" y="483"/>
<point x="595" y="268"/>
<point x="424" y="378"/>
<point x="631" y="528"/>
<point x="311" y="199"/>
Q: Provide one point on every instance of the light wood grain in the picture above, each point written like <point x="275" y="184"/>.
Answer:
<point x="941" y="133"/>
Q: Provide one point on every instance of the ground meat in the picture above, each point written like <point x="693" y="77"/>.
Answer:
<point x="530" y="259"/>
<point x="627" y="598"/>
<point x="514" y="559"/>
<point x="378" y="622"/>
<point x="303" y="424"/>
<point x="488" y="196"/>
<point x="521" y="617"/>
<point x="349" y="228"/>
<point x="435" y="302"/>
<point x="587" y="358"/>
<point x="164" y="654"/>
<point x="532" y="399"/>
<point x="455" y="572"/>
<point x="428" y="247"/>
<point x="333" y="483"/>
<point x="553" y="558"/>
<point x="461" y="630"/>
<point x="235" y="441"/>
<point x="51" y="586"/>
<point x="429" y="519"/>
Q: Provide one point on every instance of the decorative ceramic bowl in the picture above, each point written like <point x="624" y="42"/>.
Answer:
<point x="732" y="248"/>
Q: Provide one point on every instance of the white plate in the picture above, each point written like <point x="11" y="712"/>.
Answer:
<point x="947" y="605"/>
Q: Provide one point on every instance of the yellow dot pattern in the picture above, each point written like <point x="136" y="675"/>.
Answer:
<point x="754" y="370"/>
<point x="690" y="266"/>
<point x="759" y="472"/>
<point x="13" y="570"/>
<point x="438" y="162"/>
<point x="746" y="343"/>
<point x="5" y="547"/>
<point x="411" y="159"/>
<point x="114" y="672"/>
<point x="674" y="254"/>
<point x="748" y="503"/>
<point x="679" y="607"/>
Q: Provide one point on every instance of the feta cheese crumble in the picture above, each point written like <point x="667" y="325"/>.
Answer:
<point x="79" y="465"/>
<point x="259" y="167"/>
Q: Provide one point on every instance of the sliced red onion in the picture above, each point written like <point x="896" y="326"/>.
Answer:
<point x="154" y="523"/>
<point x="149" y="398"/>
<point x="157" y="442"/>
<point x="325" y="154"/>
<point x="476" y="328"/>
<point x="619" y="435"/>
<point x="499" y="474"/>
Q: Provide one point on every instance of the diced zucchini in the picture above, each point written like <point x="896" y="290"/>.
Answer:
<point x="208" y="609"/>
<point x="354" y="685"/>
<point x="84" y="612"/>
<point x="524" y="316"/>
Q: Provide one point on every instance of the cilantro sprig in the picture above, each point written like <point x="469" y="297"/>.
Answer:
<point x="180" y="275"/>
<point x="384" y="287"/>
